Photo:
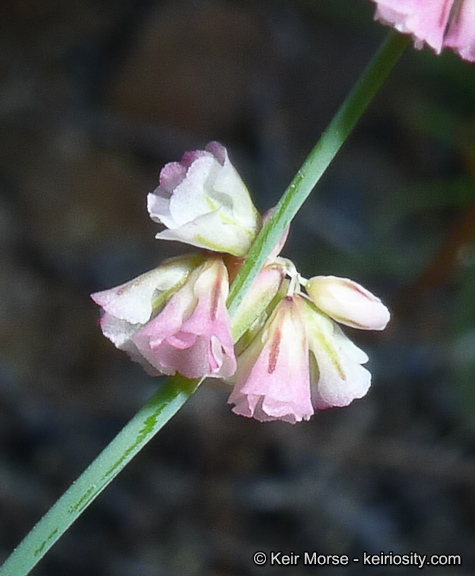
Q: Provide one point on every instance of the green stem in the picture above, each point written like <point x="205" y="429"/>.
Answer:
<point x="169" y="398"/>
<point x="176" y="390"/>
<point x="317" y="162"/>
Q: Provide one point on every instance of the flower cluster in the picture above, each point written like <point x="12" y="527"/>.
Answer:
<point x="292" y="357"/>
<point x="283" y="351"/>
<point x="439" y="23"/>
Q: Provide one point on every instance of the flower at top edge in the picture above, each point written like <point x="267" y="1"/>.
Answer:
<point x="174" y="318"/>
<point x="439" y="23"/>
<point x="202" y="201"/>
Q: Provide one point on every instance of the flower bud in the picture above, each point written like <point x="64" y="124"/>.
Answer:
<point x="347" y="302"/>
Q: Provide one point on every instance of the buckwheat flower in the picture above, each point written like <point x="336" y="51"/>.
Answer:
<point x="460" y="31"/>
<point x="174" y="318"/>
<point x="299" y="363"/>
<point x="292" y="358"/>
<point x="272" y="380"/>
<point x="202" y="201"/>
<point x="336" y="375"/>
<point x="439" y="23"/>
<point x="347" y="302"/>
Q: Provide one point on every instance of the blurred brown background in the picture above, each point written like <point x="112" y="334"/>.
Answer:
<point x="95" y="96"/>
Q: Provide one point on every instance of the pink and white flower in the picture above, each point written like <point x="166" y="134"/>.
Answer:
<point x="347" y="302"/>
<point x="293" y="360"/>
<point x="296" y="360"/>
<point x="174" y="318"/>
<point x="336" y="375"/>
<point x="272" y="378"/>
<point x="203" y="201"/>
<point x="439" y="23"/>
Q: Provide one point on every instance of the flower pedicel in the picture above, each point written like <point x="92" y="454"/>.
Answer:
<point x="289" y="358"/>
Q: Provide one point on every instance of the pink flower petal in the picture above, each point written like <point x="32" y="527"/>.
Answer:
<point x="171" y="175"/>
<point x="272" y="379"/>
<point x="191" y="335"/>
<point x="439" y="23"/>
<point x="461" y="32"/>
<point x="173" y="319"/>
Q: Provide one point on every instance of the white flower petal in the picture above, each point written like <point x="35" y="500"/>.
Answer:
<point x="338" y="377"/>
<point x="134" y="300"/>
<point x="202" y="201"/>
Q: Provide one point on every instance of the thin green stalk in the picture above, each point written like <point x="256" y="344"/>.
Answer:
<point x="176" y="390"/>
<point x="317" y="162"/>
<point x="164" y="404"/>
